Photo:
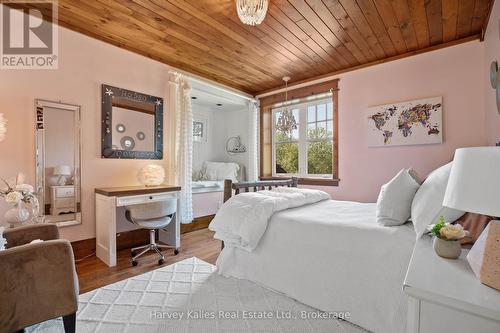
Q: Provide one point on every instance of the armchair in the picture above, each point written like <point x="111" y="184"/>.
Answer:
<point x="38" y="281"/>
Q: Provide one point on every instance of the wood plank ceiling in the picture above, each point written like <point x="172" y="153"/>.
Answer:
<point x="302" y="39"/>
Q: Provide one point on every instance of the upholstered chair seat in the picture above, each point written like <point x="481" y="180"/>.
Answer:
<point x="38" y="281"/>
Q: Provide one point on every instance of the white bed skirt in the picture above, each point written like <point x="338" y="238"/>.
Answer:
<point x="333" y="256"/>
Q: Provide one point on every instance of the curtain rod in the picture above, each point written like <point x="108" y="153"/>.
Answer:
<point x="310" y="98"/>
<point x="216" y="85"/>
<point x="297" y="86"/>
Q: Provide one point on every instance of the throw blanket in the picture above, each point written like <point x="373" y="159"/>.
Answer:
<point x="243" y="219"/>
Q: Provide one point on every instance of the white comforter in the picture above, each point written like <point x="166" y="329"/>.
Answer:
<point x="332" y="255"/>
<point x="243" y="219"/>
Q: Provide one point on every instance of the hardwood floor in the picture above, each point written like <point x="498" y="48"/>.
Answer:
<point x="93" y="273"/>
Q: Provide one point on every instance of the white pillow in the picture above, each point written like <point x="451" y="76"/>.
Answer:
<point x="220" y="171"/>
<point x="395" y="198"/>
<point x="427" y="204"/>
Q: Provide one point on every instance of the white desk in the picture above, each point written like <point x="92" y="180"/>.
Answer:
<point x="444" y="295"/>
<point x="106" y="202"/>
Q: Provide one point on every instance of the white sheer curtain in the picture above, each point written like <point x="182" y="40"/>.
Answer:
<point x="184" y="147"/>
<point x="253" y="144"/>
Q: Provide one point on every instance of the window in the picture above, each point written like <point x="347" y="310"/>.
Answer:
<point x="304" y="147"/>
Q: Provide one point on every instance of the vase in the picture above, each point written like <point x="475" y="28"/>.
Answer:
<point x="447" y="249"/>
<point x="17" y="215"/>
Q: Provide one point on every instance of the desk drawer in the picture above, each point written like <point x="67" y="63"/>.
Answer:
<point x="65" y="192"/>
<point x="140" y="199"/>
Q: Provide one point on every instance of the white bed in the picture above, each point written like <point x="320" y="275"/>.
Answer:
<point x="332" y="255"/>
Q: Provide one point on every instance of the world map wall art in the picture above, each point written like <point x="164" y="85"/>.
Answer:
<point x="407" y="123"/>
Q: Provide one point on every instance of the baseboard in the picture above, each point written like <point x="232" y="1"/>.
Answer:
<point x="198" y="223"/>
<point x="129" y="239"/>
<point x="124" y="240"/>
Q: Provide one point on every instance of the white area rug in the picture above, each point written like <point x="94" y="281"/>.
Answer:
<point x="190" y="297"/>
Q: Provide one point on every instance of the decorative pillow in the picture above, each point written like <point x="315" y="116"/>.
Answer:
<point x="395" y="198"/>
<point x="427" y="204"/>
<point x="220" y="171"/>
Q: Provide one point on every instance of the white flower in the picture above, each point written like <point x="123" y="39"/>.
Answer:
<point x="26" y="188"/>
<point x="13" y="197"/>
<point x="452" y="232"/>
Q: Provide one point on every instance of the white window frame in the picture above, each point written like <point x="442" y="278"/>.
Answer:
<point x="302" y="141"/>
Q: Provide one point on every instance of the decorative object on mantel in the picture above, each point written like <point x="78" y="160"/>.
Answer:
<point x="62" y="171"/>
<point x="495" y="82"/>
<point x="447" y="238"/>
<point x="152" y="175"/>
<point x="252" y="12"/>
<point x="17" y="196"/>
<point x="234" y="146"/>
<point x="406" y="123"/>
<point x="3" y="127"/>
<point x="473" y="186"/>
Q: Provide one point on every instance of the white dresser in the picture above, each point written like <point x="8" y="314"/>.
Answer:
<point x="444" y="295"/>
<point x="62" y="199"/>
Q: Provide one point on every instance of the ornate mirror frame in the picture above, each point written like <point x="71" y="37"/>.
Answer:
<point x="40" y="159"/>
<point x="107" y="151"/>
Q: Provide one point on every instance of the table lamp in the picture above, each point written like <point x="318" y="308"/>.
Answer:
<point x="151" y="175"/>
<point x="62" y="171"/>
<point x="474" y="186"/>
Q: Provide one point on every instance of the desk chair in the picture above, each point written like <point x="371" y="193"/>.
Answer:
<point x="152" y="216"/>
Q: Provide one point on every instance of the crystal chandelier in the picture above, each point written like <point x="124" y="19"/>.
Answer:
<point x="286" y="122"/>
<point x="251" y="12"/>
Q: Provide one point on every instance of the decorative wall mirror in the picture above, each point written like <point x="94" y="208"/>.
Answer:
<point x="132" y="124"/>
<point x="58" y="162"/>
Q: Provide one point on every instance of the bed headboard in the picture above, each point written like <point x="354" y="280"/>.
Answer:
<point x="229" y="186"/>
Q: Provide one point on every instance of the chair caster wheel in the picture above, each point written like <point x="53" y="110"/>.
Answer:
<point x="161" y="262"/>
<point x="134" y="263"/>
<point x="176" y="251"/>
<point x="133" y="253"/>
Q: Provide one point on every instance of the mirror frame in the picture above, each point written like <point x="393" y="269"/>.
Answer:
<point x="107" y="151"/>
<point x="40" y="104"/>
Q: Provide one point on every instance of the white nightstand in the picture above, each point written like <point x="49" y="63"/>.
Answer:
<point x="62" y="199"/>
<point x="444" y="295"/>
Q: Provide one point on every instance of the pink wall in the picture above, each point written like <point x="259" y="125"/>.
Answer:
<point x="456" y="73"/>
<point x="491" y="53"/>
<point x="84" y="64"/>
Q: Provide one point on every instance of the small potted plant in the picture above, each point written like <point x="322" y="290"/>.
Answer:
<point x="447" y="238"/>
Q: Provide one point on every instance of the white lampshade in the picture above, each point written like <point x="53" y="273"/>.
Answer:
<point x="151" y="175"/>
<point x="62" y="170"/>
<point x="474" y="183"/>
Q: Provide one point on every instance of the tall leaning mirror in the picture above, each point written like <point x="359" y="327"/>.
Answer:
<point x="58" y="168"/>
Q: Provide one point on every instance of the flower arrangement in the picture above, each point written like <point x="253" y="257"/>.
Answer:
<point x="447" y="231"/>
<point x="447" y="238"/>
<point x="18" y="192"/>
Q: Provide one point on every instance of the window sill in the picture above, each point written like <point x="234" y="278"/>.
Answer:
<point x="309" y="181"/>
